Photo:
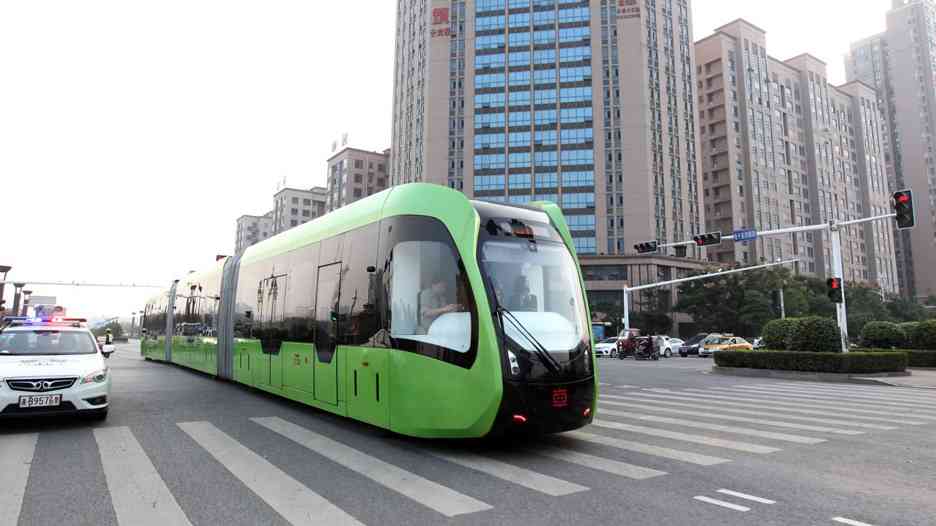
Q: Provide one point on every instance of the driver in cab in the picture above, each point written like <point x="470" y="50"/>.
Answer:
<point x="436" y="301"/>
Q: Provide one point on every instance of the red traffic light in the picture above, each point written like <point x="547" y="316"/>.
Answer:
<point x="903" y="209"/>
<point x="834" y="284"/>
<point x="903" y="198"/>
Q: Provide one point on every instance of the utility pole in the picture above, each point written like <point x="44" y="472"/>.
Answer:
<point x="782" y="305"/>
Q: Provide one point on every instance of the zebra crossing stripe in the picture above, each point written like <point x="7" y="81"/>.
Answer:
<point x="290" y="498"/>
<point x="921" y="394"/>
<point x="138" y="492"/>
<point x="911" y="407"/>
<point x="16" y="455"/>
<point x="435" y="496"/>
<point x="686" y="437"/>
<point x="723" y="407"/>
<point x="511" y="473"/>
<point x="771" y="402"/>
<point x="647" y="449"/>
<point x="761" y="421"/>
<point x="784" y="437"/>
<point x="621" y="469"/>
<point x="888" y="396"/>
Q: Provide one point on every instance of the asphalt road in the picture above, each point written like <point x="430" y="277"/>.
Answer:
<point x="673" y="446"/>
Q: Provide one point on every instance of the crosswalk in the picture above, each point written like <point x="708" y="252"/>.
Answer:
<point x="641" y="434"/>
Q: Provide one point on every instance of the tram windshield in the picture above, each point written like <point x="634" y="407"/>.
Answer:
<point x="540" y="303"/>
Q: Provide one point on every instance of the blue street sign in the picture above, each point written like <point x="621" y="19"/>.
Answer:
<point x="745" y="235"/>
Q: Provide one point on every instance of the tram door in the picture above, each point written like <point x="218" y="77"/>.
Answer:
<point x="326" y="333"/>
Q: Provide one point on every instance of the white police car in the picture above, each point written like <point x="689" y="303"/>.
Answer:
<point x="52" y="367"/>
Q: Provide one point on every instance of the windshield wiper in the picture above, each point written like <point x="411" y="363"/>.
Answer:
<point x="538" y="348"/>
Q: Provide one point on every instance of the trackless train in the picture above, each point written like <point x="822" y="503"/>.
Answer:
<point x="415" y="309"/>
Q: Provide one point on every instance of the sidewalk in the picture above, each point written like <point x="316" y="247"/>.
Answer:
<point x="920" y="379"/>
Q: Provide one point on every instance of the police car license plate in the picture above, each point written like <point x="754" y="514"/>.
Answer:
<point x="27" y="402"/>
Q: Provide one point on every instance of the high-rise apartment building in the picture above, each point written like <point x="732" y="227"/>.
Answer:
<point x="293" y="207"/>
<point x="901" y="64"/>
<point x="354" y="174"/>
<point x="252" y="230"/>
<point x="590" y="104"/>
<point x="782" y="147"/>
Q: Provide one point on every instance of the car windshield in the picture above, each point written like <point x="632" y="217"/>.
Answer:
<point x="46" y="342"/>
<point x="537" y="283"/>
<point x="716" y="340"/>
<point x="609" y="340"/>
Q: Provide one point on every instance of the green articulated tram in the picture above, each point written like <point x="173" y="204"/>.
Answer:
<point x="415" y="309"/>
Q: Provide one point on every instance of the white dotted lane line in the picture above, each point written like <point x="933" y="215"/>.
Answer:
<point x="850" y="522"/>
<point x="746" y="496"/>
<point x="722" y="503"/>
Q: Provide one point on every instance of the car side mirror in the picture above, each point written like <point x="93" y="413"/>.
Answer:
<point x="107" y="350"/>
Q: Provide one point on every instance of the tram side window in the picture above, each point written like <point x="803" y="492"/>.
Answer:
<point x="245" y="301"/>
<point x="428" y="292"/>
<point x="357" y="306"/>
<point x="300" y="299"/>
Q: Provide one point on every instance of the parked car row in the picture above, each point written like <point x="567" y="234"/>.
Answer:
<point x="702" y="345"/>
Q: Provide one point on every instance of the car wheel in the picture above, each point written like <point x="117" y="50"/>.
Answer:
<point x="668" y="354"/>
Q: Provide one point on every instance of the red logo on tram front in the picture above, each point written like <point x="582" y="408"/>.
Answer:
<point x="560" y="398"/>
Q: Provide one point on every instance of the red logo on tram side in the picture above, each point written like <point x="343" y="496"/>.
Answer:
<point x="560" y="398"/>
<point x="440" y="15"/>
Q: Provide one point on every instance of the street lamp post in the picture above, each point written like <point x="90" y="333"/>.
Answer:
<point x="26" y="296"/>
<point x="17" y="296"/>
<point x="3" y="270"/>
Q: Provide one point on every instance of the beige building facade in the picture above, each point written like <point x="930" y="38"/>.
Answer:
<point x="354" y="174"/>
<point x="252" y="230"/>
<point x="293" y="207"/>
<point x="590" y="104"/>
<point x="782" y="147"/>
<point x="901" y="64"/>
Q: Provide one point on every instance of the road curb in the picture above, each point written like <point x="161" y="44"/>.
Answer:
<point x="808" y="376"/>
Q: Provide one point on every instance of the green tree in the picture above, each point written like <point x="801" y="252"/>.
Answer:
<point x="115" y="327"/>
<point x="756" y="311"/>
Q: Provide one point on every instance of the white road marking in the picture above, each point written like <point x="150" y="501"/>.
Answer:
<point x="745" y="496"/>
<point x="511" y="473"/>
<point x="138" y="492"/>
<point x="911" y="407"/>
<point x="446" y="501"/>
<point x="771" y="402"/>
<point x="850" y="522"/>
<point x="614" y="467"/>
<point x="16" y="456"/>
<point x="923" y="394"/>
<point x="784" y="437"/>
<point x="722" y="503"/>
<point x="784" y="413"/>
<point x="761" y="421"/>
<point x="685" y="437"/>
<point x="289" y="497"/>
<point x="886" y="394"/>
<point x="647" y="449"/>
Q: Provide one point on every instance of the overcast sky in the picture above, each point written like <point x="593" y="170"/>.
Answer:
<point x="133" y="134"/>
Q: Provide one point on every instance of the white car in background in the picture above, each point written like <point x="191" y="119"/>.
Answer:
<point x="607" y="348"/>
<point x="668" y="346"/>
<point x="53" y="368"/>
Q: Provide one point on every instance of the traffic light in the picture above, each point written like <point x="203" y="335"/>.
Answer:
<point x="649" y="247"/>
<point x="705" y="240"/>
<point x="903" y="207"/>
<point x="835" y="290"/>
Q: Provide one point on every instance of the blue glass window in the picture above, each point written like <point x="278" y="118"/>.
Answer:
<point x="545" y="117"/>
<point x="490" y="5"/>
<point x="578" y="200"/>
<point x="519" y="58"/>
<point x="519" y="119"/>
<point x="544" y="76"/>
<point x="520" y="160"/>
<point x="489" y="140"/>
<point x="577" y="157"/>
<point x="576" y="14"/>
<point x="575" y="94"/>
<point x="489" y="42"/>
<point x="489" y="61"/>
<point x="520" y="78"/>
<point x="520" y="39"/>
<point x="581" y="223"/>
<point x="519" y="139"/>
<point x="546" y="158"/>
<point x="544" y="36"/>
<point x="544" y="96"/>
<point x="490" y="162"/>
<point x="547" y="197"/>
<point x="493" y="199"/>
<point x="574" y="74"/>
<point x="520" y="181"/>
<point x="584" y="178"/>
<point x="487" y="23"/>
<point x="488" y="182"/>
<point x="584" y="245"/>
<point x="490" y="120"/>
<point x="574" y="34"/>
<point x="519" y="3"/>
<point x="520" y="199"/>
<point x="519" y="20"/>
<point x="547" y="137"/>
<point x="576" y="115"/>
<point x="574" y="54"/>
<point x="544" y="17"/>
<point x="490" y="80"/>
<point x="490" y="100"/>
<point x="519" y="98"/>
<point x="544" y="56"/>
<point x="547" y="180"/>
<point x="577" y="136"/>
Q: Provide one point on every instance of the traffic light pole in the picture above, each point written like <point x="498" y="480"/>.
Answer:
<point x="841" y="314"/>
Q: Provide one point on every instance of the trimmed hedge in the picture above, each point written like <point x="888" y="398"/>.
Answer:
<point x="908" y="328"/>
<point x="815" y="362"/>
<point x="815" y="335"/>
<point x="924" y="335"/>
<point x="777" y="333"/>
<point x="916" y="358"/>
<point x="883" y="335"/>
